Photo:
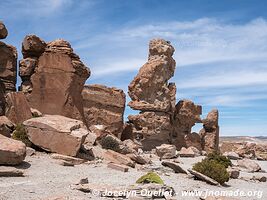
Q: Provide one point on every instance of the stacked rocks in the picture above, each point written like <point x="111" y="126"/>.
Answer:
<point x="153" y="96"/>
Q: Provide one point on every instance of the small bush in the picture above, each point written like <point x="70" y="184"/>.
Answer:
<point x="110" y="143"/>
<point x="20" y="134"/>
<point x="150" y="177"/>
<point x="223" y="160"/>
<point x="212" y="169"/>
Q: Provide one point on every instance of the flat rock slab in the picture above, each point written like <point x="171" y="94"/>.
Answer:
<point x="10" y="172"/>
<point x="177" y="168"/>
<point x="68" y="159"/>
<point x="118" y="167"/>
<point x="203" y="177"/>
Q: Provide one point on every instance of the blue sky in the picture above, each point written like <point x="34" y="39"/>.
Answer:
<point x="221" y="47"/>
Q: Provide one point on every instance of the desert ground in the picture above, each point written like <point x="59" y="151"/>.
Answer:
<point x="46" y="179"/>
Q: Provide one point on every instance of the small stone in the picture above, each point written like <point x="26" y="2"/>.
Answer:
<point x="83" y="181"/>
<point x="30" y="151"/>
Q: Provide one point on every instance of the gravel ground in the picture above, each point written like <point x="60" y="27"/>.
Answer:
<point x="45" y="179"/>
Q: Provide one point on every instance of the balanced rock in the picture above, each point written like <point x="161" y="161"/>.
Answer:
<point x="55" y="85"/>
<point x="32" y="46"/>
<point x="12" y="152"/>
<point x="56" y="133"/>
<point x="150" y="90"/>
<point x="17" y="107"/>
<point x="3" y="31"/>
<point x="210" y="132"/>
<point x="104" y="106"/>
<point x="8" y="64"/>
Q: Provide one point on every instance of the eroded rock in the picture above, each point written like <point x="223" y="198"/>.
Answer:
<point x="53" y="77"/>
<point x="210" y="132"/>
<point x="104" y="106"/>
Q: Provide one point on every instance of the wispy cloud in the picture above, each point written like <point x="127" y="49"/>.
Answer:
<point x="33" y="8"/>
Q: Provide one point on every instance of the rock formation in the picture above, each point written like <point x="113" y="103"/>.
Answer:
<point x="104" y="106"/>
<point x="160" y="120"/>
<point x="186" y="115"/>
<point x="150" y="90"/>
<point x="153" y="96"/>
<point x="52" y="77"/>
<point x="56" y="133"/>
<point x="210" y="132"/>
<point x="8" y="68"/>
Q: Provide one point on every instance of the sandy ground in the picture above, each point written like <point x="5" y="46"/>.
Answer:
<point x="45" y="178"/>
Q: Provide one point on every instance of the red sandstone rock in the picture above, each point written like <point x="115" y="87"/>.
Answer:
<point x="3" y="31"/>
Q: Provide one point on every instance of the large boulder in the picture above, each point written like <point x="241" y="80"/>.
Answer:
<point x="210" y="132"/>
<point x="151" y="129"/>
<point x="8" y="66"/>
<point x="186" y="115"/>
<point x="17" y="107"/>
<point x="104" y="106"/>
<point x="12" y="152"/>
<point x="55" y="85"/>
<point x="3" y="31"/>
<point x="249" y="165"/>
<point x="56" y="133"/>
<point x="150" y="90"/>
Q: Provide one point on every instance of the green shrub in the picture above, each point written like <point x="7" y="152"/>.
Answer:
<point x="212" y="169"/>
<point x="226" y="162"/>
<point x="150" y="177"/>
<point x="111" y="143"/>
<point x="20" y="134"/>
